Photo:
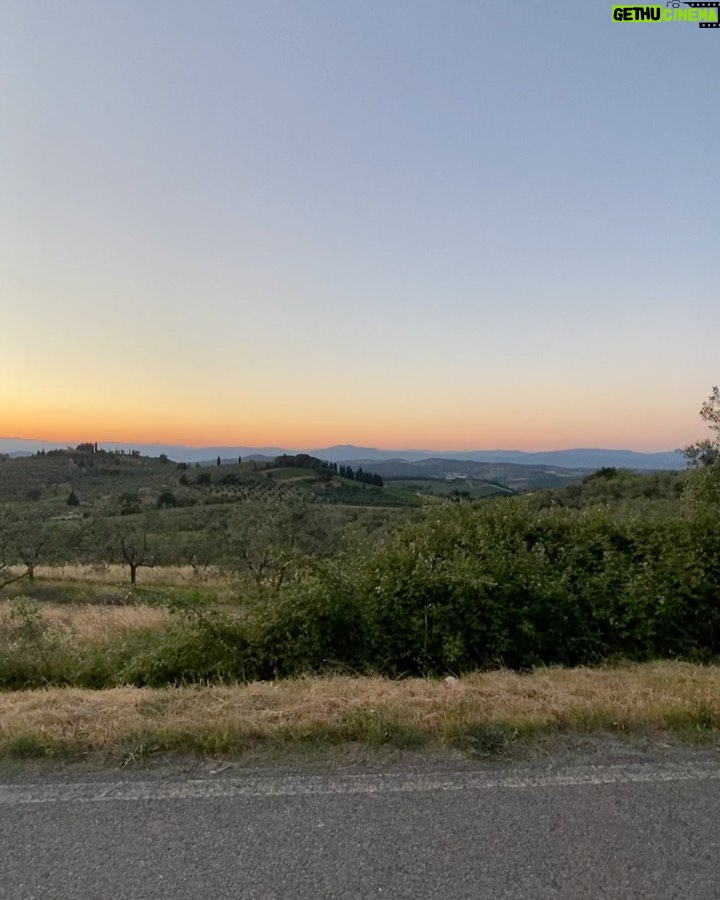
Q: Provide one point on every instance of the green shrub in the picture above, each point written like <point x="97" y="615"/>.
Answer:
<point x="467" y="587"/>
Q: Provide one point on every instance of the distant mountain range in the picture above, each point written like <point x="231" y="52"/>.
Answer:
<point x="581" y="458"/>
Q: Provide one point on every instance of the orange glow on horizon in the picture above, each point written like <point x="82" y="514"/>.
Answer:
<point x="270" y="419"/>
<point x="70" y="431"/>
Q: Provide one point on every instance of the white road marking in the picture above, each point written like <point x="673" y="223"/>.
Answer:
<point x="299" y="785"/>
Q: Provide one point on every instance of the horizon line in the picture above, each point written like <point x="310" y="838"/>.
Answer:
<point x="57" y="444"/>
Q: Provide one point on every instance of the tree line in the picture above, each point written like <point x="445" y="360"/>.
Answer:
<point x="361" y="475"/>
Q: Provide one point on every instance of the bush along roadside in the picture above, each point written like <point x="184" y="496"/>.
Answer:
<point x="467" y="588"/>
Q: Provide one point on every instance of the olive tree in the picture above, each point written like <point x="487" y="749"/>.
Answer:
<point x="8" y="571"/>
<point x="703" y="456"/>
<point x="28" y="540"/>
<point x="706" y="452"/>
<point x="267" y="540"/>
<point x="130" y="541"/>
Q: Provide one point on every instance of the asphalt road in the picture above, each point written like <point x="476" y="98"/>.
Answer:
<point x="648" y="829"/>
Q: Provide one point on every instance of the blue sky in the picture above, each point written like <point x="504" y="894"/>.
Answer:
<point x="446" y="225"/>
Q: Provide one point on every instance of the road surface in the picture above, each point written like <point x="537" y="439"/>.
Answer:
<point x="545" y="829"/>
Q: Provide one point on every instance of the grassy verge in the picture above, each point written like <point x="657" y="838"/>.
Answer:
<point x="483" y="713"/>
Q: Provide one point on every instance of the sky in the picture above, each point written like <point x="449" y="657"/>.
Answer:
<point x="433" y="224"/>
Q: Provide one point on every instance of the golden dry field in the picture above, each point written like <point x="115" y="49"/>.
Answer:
<point x="483" y="713"/>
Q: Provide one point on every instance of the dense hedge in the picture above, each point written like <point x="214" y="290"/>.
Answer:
<point x="473" y="587"/>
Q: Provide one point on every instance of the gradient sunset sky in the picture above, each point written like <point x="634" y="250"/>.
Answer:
<point x="440" y="225"/>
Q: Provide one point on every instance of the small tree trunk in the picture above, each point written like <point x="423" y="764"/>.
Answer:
<point x="133" y="570"/>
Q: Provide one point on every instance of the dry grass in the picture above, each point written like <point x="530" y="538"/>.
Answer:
<point x="92" y="625"/>
<point x="479" y="712"/>
<point x="111" y="583"/>
<point x="156" y="576"/>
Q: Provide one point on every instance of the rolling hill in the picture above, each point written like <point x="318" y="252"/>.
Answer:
<point x="587" y="459"/>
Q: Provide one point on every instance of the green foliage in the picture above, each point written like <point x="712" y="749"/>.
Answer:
<point x="703" y="487"/>
<point x="28" y="540"/>
<point x="706" y="452"/>
<point x="315" y="624"/>
<point x="35" y="652"/>
<point x="468" y="587"/>
<point x="606" y="472"/>
<point x="609" y="487"/>
<point x="473" y="587"/>
<point x="202" y="645"/>
<point x="130" y="503"/>
<point x="35" y="745"/>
